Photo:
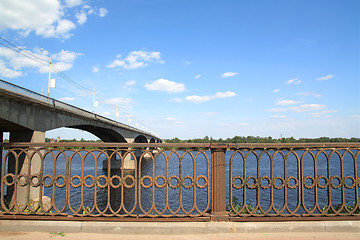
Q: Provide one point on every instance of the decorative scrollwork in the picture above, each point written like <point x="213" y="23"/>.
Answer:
<point x="112" y="181"/>
<point x="191" y="184"/>
<point x="132" y="183"/>
<point x="60" y="185"/>
<point x="98" y="181"/>
<point x="251" y="186"/>
<point x="5" y="179"/>
<point x="143" y="184"/>
<point x="177" y="183"/>
<point x="326" y="182"/>
<point x="288" y="182"/>
<point x="92" y="181"/>
<point x="313" y="182"/>
<point x="267" y="179"/>
<point x="156" y="181"/>
<point x="205" y="181"/>
<point x="234" y="182"/>
<point x="282" y="185"/>
<point x="72" y="181"/>
<point x="35" y="180"/>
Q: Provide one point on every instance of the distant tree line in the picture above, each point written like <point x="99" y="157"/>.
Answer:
<point x="252" y="139"/>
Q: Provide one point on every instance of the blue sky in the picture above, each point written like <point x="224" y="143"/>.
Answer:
<point x="191" y="69"/>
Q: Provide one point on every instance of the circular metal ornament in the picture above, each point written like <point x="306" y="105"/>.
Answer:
<point x="261" y="182"/>
<point x="92" y="179"/>
<point x="51" y="181"/>
<point x="353" y="182"/>
<point x="332" y="182"/>
<point x="98" y="181"/>
<point x="72" y="181"/>
<point x="57" y="181"/>
<point x="112" y="183"/>
<point x="205" y="181"/>
<point x="177" y="184"/>
<point x="35" y="176"/>
<point x="241" y="184"/>
<point x="22" y="180"/>
<point x="326" y="182"/>
<point x="296" y="182"/>
<point x="132" y="184"/>
<point x="143" y="184"/>
<point x="156" y="181"/>
<point x="282" y="185"/>
<point x="251" y="186"/>
<point x="191" y="184"/>
<point x="6" y="182"/>
<point x="313" y="182"/>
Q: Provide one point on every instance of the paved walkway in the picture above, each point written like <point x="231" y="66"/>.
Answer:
<point x="67" y="230"/>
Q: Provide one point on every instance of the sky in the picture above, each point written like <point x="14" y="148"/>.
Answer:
<point x="190" y="69"/>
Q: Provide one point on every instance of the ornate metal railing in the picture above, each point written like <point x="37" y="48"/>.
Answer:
<point x="196" y="182"/>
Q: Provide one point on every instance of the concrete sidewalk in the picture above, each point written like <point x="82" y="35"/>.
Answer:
<point x="21" y="229"/>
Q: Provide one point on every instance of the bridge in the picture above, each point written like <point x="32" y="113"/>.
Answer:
<point x="27" y="115"/>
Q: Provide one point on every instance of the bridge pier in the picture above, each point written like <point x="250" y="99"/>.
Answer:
<point x="27" y="167"/>
<point x="129" y="163"/>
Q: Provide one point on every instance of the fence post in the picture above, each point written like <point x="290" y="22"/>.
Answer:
<point x="218" y="182"/>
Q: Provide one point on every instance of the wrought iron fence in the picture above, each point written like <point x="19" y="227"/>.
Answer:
<point x="196" y="182"/>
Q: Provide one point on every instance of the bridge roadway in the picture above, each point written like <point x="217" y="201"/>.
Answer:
<point x="27" y="115"/>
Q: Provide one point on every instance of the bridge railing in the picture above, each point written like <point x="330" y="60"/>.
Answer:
<point x="180" y="182"/>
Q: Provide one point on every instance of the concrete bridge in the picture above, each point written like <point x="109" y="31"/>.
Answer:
<point x="27" y="115"/>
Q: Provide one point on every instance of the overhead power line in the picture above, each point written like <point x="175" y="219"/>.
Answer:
<point x="33" y="57"/>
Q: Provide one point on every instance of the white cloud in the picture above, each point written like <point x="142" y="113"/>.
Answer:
<point x="47" y="18"/>
<point x="287" y="102"/>
<point x="103" y="12"/>
<point x="327" y="77"/>
<point x="310" y="94"/>
<point x="13" y="64"/>
<point x="307" y="107"/>
<point x="136" y="59"/>
<point x="125" y="102"/>
<point x="73" y="3"/>
<point x="170" y="119"/>
<point x="324" y="113"/>
<point x="298" y="109"/>
<point x="130" y="83"/>
<point x="278" y="116"/>
<point x="200" y="99"/>
<point x="198" y="76"/>
<point x="81" y="17"/>
<point x="276" y="90"/>
<point x="176" y="99"/>
<point x="229" y="74"/>
<point x="67" y="99"/>
<point x="95" y="69"/>
<point x="8" y="73"/>
<point x="293" y="81"/>
<point x="165" y="85"/>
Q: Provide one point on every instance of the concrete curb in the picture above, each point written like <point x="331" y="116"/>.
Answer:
<point x="177" y="228"/>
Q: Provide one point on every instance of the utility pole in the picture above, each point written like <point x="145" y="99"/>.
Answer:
<point x="94" y="101"/>
<point x="49" y="78"/>
<point x="51" y="82"/>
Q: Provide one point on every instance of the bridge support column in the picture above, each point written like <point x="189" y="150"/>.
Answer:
<point x="129" y="163"/>
<point x="28" y="168"/>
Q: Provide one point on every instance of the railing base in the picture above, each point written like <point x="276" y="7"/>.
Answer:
<point x="219" y="217"/>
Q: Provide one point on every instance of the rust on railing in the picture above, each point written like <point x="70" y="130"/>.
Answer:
<point x="187" y="182"/>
